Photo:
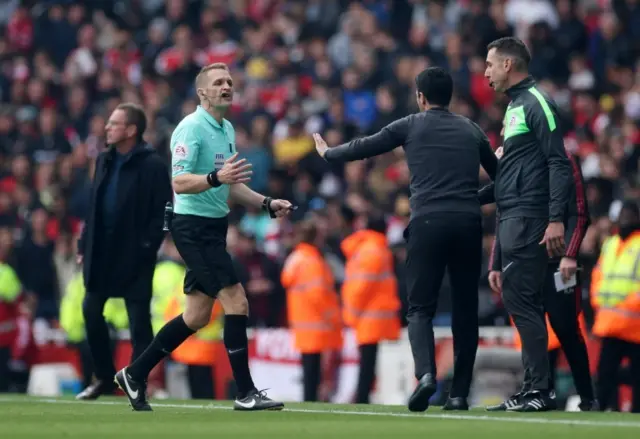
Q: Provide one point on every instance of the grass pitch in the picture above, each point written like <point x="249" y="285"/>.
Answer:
<point x="31" y="417"/>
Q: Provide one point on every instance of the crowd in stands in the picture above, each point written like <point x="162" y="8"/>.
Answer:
<point x="338" y="67"/>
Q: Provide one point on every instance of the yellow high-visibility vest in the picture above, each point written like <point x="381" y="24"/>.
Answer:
<point x="620" y="268"/>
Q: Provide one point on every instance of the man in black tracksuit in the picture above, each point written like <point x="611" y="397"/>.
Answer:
<point x="532" y="193"/>
<point x="561" y="306"/>
<point x="444" y="152"/>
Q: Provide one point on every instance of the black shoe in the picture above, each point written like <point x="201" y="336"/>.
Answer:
<point x="135" y="391"/>
<point x="256" y="400"/>
<point x="456" y="404"/>
<point x="537" y="401"/>
<point x="419" y="399"/>
<point x="589" y="405"/>
<point x="508" y="404"/>
<point x="95" y="390"/>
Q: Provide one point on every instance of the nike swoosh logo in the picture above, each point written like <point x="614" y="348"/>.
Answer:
<point x="235" y="351"/>
<point x="247" y="405"/>
<point x="132" y="394"/>
<point x="507" y="266"/>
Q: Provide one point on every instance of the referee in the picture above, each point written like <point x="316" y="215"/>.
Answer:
<point x="444" y="152"/>
<point x="562" y="307"/>
<point x="205" y="174"/>
<point x="532" y="192"/>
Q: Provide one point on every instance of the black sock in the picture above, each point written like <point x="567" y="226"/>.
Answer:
<point x="235" y="340"/>
<point x="169" y="337"/>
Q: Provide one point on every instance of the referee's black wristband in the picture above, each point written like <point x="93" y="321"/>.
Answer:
<point x="266" y="206"/>
<point x="212" y="179"/>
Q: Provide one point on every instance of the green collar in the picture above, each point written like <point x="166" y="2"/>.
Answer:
<point x="204" y="113"/>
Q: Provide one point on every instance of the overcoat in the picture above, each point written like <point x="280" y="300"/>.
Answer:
<point x="121" y="263"/>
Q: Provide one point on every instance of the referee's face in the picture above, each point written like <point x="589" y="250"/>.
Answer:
<point x="219" y="88"/>
<point x="496" y="71"/>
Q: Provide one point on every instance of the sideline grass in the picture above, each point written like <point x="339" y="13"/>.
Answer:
<point x="31" y="417"/>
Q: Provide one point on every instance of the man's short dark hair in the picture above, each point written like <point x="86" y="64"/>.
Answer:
<point x="515" y="49"/>
<point x="436" y="84"/>
<point x="377" y="223"/>
<point x="135" y="116"/>
<point x="632" y="207"/>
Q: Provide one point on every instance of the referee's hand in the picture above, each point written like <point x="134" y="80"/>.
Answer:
<point x="281" y="207"/>
<point x="495" y="281"/>
<point x="554" y="239"/>
<point x="233" y="172"/>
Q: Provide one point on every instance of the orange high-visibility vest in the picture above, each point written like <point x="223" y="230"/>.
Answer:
<point x="199" y="349"/>
<point x="554" y="343"/>
<point x="370" y="290"/>
<point x="313" y="309"/>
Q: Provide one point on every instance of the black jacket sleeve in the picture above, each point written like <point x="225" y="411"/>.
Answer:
<point x="543" y="122"/>
<point x="488" y="159"/>
<point x="83" y="239"/>
<point x="578" y="218"/>
<point x="487" y="194"/>
<point x="495" y="260"/>
<point x="387" y="139"/>
<point x="160" y="195"/>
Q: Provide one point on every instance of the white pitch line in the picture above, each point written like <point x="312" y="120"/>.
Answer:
<point x="519" y="419"/>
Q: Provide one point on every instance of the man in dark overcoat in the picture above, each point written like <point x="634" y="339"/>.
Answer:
<point x="122" y="234"/>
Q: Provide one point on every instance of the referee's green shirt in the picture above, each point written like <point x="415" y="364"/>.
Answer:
<point x="200" y="144"/>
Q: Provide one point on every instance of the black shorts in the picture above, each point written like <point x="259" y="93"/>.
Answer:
<point x="202" y="243"/>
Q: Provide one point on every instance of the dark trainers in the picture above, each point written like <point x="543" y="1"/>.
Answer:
<point x="419" y="399"/>
<point x="256" y="400"/>
<point x="537" y="401"/>
<point x="456" y="404"/>
<point x="508" y="404"/>
<point x="589" y="405"/>
<point x="95" y="390"/>
<point x="136" y="392"/>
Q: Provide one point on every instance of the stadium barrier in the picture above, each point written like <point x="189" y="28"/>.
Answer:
<point x="275" y="364"/>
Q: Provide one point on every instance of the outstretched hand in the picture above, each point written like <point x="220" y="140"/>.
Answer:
<point x="321" y="145"/>
<point x="233" y="172"/>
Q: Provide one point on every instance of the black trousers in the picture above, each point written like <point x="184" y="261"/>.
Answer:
<point x="524" y="267"/>
<point x="139" y="312"/>
<point x="612" y="352"/>
<point x="5" y="375"/>
<point x="563" y="309"/>
<point x="367" y="372"/>
<point x="311" y="375"/>
<point x="436" y="243"/>
<point x="200" y="381"/>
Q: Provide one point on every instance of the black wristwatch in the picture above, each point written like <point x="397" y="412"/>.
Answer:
<point x="212" y="179"/>
<point x="266" y="206"/>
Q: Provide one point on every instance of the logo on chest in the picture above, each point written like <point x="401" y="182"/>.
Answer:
<point x="219" y="161"/>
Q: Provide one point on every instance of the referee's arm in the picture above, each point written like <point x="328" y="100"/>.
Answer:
<point x="246" y="196"/>
<point x="385" y="140"/>
<point x="184" y="153"/>
<point x="543" y="122"/>
<point x="495" y="260"/>
<point x="487" y="194"/>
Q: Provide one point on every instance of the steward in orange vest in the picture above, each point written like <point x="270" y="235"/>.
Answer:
<point x="370" y="297"/>
<point x="615" y="297"/>
<point x="313" y="308"/>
